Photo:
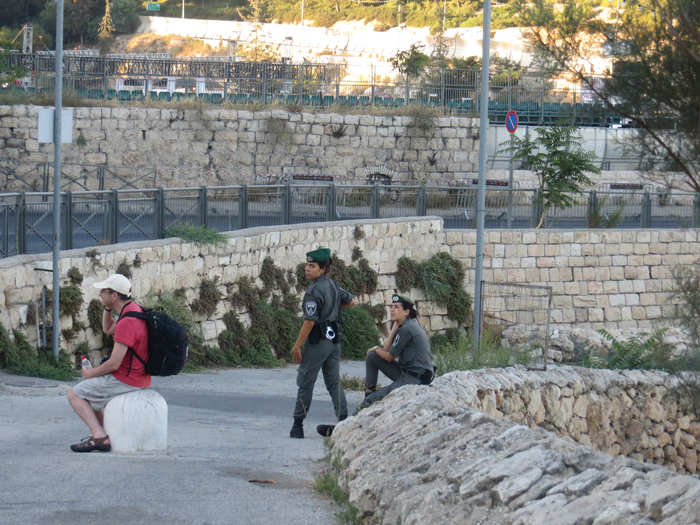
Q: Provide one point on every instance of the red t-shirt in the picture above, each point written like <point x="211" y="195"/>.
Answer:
<point x="132" y="332"/>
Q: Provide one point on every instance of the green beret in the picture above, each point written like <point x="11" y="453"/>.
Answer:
<point x="319" y="255"/>
<point x="405" y="301"/>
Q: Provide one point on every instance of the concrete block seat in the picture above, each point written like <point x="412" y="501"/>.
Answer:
<point x="137" y="422"/>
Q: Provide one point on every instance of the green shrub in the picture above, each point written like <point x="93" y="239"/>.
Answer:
<point x="442" y="279"/>
<point x="634" y="353"/>
<point x="209" y="297"/>
<point x="21" y="358"/>
<point x="94" y="314"/>
<point x="450" y="356"/>
<point x="196" y="234"/>
<point x="359" y="332"/>
<point x="276" y="326"/>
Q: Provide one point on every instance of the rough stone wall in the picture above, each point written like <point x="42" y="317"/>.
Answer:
<point x="612" y="279"/>
<point x="424" y="456"/>
<point x="215" y="146"/>
<point x="640" y="414"/>
<point x="170" y="264"/>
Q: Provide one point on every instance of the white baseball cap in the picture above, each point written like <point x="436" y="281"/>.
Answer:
<point x="116" y="282"/>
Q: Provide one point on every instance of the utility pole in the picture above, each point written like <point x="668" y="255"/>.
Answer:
<point x="481" y="194"/>
<point x="58" y="110"/>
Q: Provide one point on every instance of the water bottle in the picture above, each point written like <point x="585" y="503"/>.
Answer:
<point x="85" y="362"/>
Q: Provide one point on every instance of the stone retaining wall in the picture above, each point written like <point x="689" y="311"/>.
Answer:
<point x="423" y="455"/>
<point x="215" y="146"/>
<point x="146" y="147"/>
<point x="600" y="279"/>
<point x="640" y="414"/>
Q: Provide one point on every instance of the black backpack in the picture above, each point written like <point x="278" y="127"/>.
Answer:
<point x="167" y="343"/>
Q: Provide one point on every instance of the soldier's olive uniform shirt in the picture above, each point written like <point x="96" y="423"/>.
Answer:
<point x="321" y="305"/>
<point x="322" y="301"/>
<point x="411" y="348"/>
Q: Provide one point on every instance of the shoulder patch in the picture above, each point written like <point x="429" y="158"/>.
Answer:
<point x="396" y="340"/>
<point x="310" y="308"/>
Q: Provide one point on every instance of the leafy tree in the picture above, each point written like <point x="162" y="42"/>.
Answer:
<point x="655" y="75"/>
<point x="15" y="12"/>
<point x="255" y="11"/>
<point x="125" y="15"/>
<point x="556" y="158"/>
<point x="106" y="28"/>
<point x="82" y="19"/>
<point x="411" y="62"/>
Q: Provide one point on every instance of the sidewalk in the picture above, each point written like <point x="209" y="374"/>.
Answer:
<point x="225" y="428"/>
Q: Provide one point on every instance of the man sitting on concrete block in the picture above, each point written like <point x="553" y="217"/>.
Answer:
<point x="120" y="373"/>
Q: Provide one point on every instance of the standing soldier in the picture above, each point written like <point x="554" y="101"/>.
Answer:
<point x="318" y="343"/>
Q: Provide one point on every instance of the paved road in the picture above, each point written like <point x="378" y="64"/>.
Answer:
<point x="225" y="429"/>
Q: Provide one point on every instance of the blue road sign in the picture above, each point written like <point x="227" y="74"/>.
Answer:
<point x="511" y="121"/>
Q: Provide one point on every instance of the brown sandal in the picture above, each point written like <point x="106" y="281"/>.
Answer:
<point x="89" y="444"/>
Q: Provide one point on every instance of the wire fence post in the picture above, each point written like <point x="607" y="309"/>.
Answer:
<point x="158" y="214"/>
<point x="203" y="207"/>
<point x="67" y="216"/>
<point x="536" y="208"/>
<point x="374" y="205"/>
<point x="645" y="216"/>
<point x="243" y="207"/>
<point x="287" y="203"/>
<point x="6" y="232"/>
<point x="420" y="202"/>
<point x="113" y="217"/>
<point x="330" y="198"/>
<point x="592" y="208"/>
<point x="21" y="226"/>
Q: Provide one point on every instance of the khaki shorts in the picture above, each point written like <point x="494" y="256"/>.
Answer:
<point x="98" y="391"/>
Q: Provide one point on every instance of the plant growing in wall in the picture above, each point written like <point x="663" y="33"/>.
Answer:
<point x="196" y="234"/>
<point x="442" y="279"/>
<point x="636" y="352"/>
<point x="557" y="160"/>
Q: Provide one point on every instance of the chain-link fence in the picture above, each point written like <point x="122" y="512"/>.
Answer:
<point x="519" y="315"/>
<point x="127" y="78"/>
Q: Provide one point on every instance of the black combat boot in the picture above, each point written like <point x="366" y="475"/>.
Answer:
<point x="297" y="428"/>
<point x="325" y="430"/>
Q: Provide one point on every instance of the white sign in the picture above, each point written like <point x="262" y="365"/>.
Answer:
<point x="46" y="126"/>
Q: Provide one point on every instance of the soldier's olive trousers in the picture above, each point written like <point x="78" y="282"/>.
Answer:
<point x="373" y="365"/>
<point x="322" y="356"/>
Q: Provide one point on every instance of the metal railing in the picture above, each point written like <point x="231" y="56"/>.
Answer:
<point x="89" y="218"/>
<point x="452" y="91"/>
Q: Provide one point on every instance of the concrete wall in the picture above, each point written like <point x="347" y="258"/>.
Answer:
<point x="611" y="279"/>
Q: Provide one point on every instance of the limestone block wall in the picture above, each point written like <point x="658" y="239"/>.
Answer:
<point x="170" y="264"/>
<point x="215" y="146"/>
<point x="600" y="279"/>
<point x="147" y="147"/>
<point x="640" y="414"/>
<point x="424" y="455"/>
